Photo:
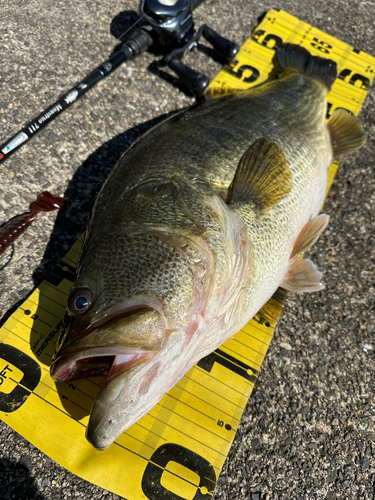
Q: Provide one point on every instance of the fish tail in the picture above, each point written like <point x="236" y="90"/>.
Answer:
<point x="292" y="58"/>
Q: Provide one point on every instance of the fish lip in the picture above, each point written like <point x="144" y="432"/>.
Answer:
<point x="151" y="303"/>
<point x="106" y="425"/>
<point x="66" y="367"/>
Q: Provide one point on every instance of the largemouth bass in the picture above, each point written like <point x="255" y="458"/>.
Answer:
<point x="197" y="226"/>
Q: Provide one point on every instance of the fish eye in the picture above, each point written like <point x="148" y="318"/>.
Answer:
<point x="80" y="301"/>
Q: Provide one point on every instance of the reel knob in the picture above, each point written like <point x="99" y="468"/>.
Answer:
<point x="226" y="49"/>
<point x="196" y="82"/>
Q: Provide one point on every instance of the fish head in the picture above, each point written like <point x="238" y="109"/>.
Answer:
<point x="138" y="309"/>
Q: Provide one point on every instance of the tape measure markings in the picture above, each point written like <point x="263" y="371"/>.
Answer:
<point x="248" y="331"/>
<point x="289" y="23"/>
<point x="225" y="384"/>
<point x="49" y="318"/>
<point x="138" y="424"/>
<point x="45" y="291"/>
<point x="202" y="402"/>
<point x="56" y="407"/>
<point x="194" y="423"/>
<point x="202" y="425"/>
<point x="250" y="354"/>
<point x="281" y="28"/>
<point x="232" y="396"/>
<point x="9" y="332"/>
<point x="249" y="359"/>
<point x="236" y="409"/>
<point x="188" y="436"/>
<point x="232" y="401"/>
<point x="341" y="51"/>
<point x="59" y="294"/>
<point x="191" y="407"/>
<point x="141" y="442"/>
<point x="56" y="395"/>
<point x="242" y="344"/>
<point x="251" y="330"/>
<point x="85" y="400"/>
<point x="34" y="300"/>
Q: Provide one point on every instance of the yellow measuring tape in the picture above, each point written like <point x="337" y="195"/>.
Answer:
<point x="177" y="450"/>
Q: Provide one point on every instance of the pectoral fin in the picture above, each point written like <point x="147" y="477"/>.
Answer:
<point x="302" y="276"/>
<point x="309" y="234"/>
<point x="263" y="176"/>
<point x="346" y="133"/>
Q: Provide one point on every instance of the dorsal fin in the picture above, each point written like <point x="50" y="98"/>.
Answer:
<point x="263" y="175"/>
<point x="347" y="134"/>
<point x="309" y="234"/>
<point x="296" y="59"/>
<point x="302" y="276"/>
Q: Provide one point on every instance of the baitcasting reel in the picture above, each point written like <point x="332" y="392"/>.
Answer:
<point x="173" y="25"/>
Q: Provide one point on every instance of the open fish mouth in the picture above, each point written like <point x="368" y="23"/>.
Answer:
<point x="111" y="347"/>
<point x="106" y="361"/>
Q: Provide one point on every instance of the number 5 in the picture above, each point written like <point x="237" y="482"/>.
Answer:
<point x="321" y="45"/>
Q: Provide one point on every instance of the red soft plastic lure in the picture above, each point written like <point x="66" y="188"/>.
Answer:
<point x="10" y="231"/>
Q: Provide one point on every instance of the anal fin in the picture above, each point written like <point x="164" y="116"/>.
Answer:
<point x="302" y="276"/>
<point x="309" y="234"/>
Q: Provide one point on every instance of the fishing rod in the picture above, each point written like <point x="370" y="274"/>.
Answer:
<point x="165" y="23"/>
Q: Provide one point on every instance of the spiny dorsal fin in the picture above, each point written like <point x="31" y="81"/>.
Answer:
<point x="297" y="59"/>
<point x="309" y="234"/>
<point x="302" y="276"/>
<point x="263" y="175"/>
<point x="347" y="134"/>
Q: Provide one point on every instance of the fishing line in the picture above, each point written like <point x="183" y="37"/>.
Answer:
<point x="9" y="259"/>
<point x="131" y="27"/>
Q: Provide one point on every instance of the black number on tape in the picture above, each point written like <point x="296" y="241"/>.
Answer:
<point x="229" y="362"/>
<point x="238" y="72"/>
<point x="170" y="452"/>
<point x="321" y="45"/>
<point x="363" y="81"/>
<point x="13" y="400"/>
<point x="270" y="40"/>
<point x="60" y="272"/>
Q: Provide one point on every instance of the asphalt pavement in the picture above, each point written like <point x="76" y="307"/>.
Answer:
<point x="308" y="431"/>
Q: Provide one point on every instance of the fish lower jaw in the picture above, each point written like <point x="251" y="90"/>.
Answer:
<point x="103" y="362"/>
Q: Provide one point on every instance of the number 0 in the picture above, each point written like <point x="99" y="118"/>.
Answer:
<point x="151" y="482"/>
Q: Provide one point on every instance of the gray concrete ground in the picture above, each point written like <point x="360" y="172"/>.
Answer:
<point x="309" y="429"/>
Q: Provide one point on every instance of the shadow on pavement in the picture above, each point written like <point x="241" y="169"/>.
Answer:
<point x="16" y="481"/>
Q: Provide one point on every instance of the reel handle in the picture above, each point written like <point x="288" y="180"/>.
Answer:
<point x="227" y="49"/>
<point x="196" y="82"/>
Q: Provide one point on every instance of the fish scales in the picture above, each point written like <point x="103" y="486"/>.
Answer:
<point x="199" y="223"/>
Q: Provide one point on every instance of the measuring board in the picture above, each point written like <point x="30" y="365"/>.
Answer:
<point x="177" y="450"/>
